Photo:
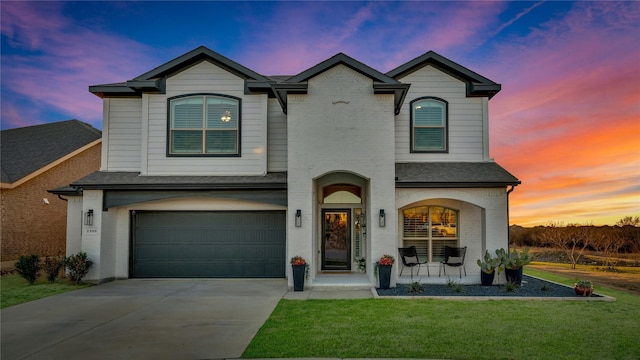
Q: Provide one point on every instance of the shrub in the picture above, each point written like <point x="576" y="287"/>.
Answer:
<point x="511" y="286"/>
<point x="52" y="267"/>
<point x="415" y="287"/>
<point x="78" y="266"/>
<point x="29" y="267"/>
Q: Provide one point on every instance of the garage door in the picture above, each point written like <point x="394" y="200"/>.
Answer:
<point x="192" y="244"/>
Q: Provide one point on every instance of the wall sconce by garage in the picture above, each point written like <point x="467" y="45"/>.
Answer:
<point x="88" y="217"/>
<point x="298" y="218"/>
<point x="382" y="218"/>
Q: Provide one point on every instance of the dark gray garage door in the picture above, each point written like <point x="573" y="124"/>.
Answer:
<point x="190" y="244"/>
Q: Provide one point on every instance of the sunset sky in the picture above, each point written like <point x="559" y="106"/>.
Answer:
<point x="566" y="123"/>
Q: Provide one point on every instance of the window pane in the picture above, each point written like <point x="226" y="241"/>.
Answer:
<point x="430" y="228"/>
<point x="444" y="222"/>
<point x="422" y="247"/>
<point x="221" y="141"/>
<point x="222" y="113"/>
<point x="187" y="113"/>
<point x="186" y="142"/>
<point x="438" y="248"/>
<point x="428" y="138"/>
<point x="428" y="113"/>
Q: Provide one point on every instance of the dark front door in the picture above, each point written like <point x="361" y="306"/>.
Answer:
<point x="336" y="239"/>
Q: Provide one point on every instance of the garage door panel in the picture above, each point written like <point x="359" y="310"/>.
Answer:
<point x="209" y="244"/>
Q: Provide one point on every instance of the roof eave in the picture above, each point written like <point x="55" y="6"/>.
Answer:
<point x="183" y="186"/>
<point x="399" y="91"/>
<point x="281" y="91"/>
<point x="488" y="184"/>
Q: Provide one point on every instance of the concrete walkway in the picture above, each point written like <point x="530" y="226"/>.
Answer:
<point x="142" y="319"/>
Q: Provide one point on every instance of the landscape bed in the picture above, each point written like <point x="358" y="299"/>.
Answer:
<point x="531" y="287"/>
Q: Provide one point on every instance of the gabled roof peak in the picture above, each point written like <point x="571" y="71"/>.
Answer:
<point x="342" y="59"/>
<point x="477" y="85"/>
<point x="196" y="55"/>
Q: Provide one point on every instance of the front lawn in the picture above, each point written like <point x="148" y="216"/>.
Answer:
<point x="506" y="329"/>
<point x="15" y="290"/>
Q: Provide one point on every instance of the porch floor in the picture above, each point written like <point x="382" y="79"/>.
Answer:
<point x="357" y="280"/>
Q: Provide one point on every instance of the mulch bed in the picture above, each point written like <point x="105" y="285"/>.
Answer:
<point x="531" y="287"/>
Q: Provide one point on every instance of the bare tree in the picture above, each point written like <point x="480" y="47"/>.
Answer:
<point x="572" y="240"/>
<point x="609" y="241"/>
<point x="629" y="220"/>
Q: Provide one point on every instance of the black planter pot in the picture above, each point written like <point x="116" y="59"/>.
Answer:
<point x="514" y="275"/>
<point x="487" y="278"/>
<point x="384" y="273"/>
<point x="298" y="277"/>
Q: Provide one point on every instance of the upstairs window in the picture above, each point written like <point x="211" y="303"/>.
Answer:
<point x="429" y="125"/>
<point x="204" y="124"/>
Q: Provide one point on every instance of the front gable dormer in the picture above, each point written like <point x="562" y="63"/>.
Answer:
<point x="382" y="84"/>
<point x="476" y="84"/>
<point x="154" y="81"/>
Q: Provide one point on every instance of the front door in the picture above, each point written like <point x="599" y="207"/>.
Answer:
<point x="336" y="239"/>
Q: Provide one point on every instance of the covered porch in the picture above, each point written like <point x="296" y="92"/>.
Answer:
<point x="361" y="280"/>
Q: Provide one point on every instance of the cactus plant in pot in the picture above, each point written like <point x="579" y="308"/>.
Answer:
<point x="513" y="262"/>
<point x="488" y="266"/>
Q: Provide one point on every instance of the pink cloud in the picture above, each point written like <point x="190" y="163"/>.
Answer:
<point x="566" y="121"/>
<point x="74" y="57"/>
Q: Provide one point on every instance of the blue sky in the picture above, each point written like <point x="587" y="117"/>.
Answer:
<point x="565" y="123"/>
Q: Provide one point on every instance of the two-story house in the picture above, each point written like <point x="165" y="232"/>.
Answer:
<point x="210" y="169"/>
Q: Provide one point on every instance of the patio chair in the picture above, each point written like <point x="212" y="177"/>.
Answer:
<point x="409" y="257"/>
<point x="453" y="256"/>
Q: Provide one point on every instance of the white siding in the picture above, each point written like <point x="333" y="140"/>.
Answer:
<point x="122" y="131"/>
<point x="205" y="77"/>
<point x="467" y="140"/>
<point x="276" y="137"/>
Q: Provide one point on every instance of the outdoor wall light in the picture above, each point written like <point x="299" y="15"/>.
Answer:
<point x="298" y="218"/>
<point x="382" y="219"/>
<point x="88" y="218"/>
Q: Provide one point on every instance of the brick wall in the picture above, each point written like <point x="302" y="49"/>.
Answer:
<point x="28" y="226"/>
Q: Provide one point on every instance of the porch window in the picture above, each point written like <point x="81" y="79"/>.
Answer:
<point x="430" y="229"/>
<point x="429" y="121"/>
<point x="204" y="124"/>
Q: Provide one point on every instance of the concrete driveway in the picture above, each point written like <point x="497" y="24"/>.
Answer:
<point x="142" y="319"/>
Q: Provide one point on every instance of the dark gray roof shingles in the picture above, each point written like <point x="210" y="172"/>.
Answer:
<point x="455" y="174"/>
<point x="28" y="149"/>
<point x="133" y="180"/>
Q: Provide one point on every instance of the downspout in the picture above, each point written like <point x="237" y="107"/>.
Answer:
<point x="61" y="198"/>
<point x="513" y="187"/>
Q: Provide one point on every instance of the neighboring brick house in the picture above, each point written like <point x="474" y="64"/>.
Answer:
<point x="35" y="159"/>
<point x="210" y="169"/>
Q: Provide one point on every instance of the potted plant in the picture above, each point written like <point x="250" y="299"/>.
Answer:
<point x="488" y="267"/>
<point x="300" y="272"/>
<point x="383" y="269"/>
<point x="583" y="288"/>
<point x="513" y="262"/>
<point x="362" y="264"/>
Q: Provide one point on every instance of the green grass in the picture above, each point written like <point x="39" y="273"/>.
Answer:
<point x="15" y="290"/>
<point x="427" y="328"/>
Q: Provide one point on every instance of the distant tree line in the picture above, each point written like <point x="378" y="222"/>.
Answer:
<point x="575" y="239"/>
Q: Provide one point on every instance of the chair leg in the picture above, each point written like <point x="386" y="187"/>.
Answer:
<point x="428" y="274"/>
<point x="401" y="269"/>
